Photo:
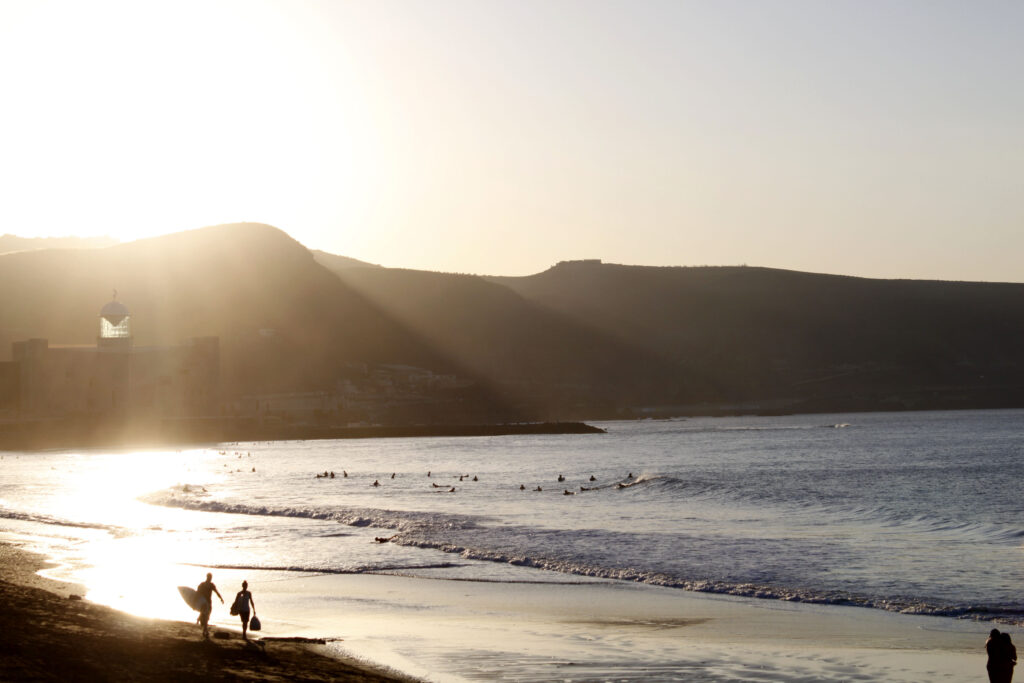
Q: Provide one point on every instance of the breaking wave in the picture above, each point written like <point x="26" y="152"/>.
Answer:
<point x="434" y="531"/>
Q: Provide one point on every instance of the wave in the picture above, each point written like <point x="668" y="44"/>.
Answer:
<point x="57" y="521"/>
<point x="355" y="517"/>
<point x="997" y="613"/>
<point x="301" y="569"/>
<point x="197" y="498"/>
<point x="882" y="516"/>
<point x="445" y="532"/>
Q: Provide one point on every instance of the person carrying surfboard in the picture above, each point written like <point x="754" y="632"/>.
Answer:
<point x="241" y="607"/>
<point x="206" y="590"/>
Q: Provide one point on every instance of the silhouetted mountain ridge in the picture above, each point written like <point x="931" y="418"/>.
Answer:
<point x="285" y="322"/>
<point x="761" y="333"/>
<point x="9" y="243"/>
<point x="579" y="340"/>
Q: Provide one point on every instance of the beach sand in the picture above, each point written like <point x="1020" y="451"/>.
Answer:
<point x="49" y="637"/>
<point x="624" y="632"/>
<point x="453" y="631"/>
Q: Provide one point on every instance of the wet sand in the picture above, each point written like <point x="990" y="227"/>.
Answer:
<point x="47" y="636"/>
<point x="453" y="631"/>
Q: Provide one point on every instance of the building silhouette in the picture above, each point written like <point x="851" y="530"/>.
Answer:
<point x="115" y="378"/>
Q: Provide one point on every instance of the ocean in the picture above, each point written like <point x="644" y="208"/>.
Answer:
<point x="916" y="512"/>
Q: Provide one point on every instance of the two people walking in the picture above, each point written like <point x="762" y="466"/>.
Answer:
<point x="243" y="600"/>
<point x="1002" y="657"/>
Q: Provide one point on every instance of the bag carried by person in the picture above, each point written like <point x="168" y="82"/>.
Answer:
<point x="238" y="605"/>
<point x="254" y="623"/>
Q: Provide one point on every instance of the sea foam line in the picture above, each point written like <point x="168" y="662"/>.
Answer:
<point x="414" y="526"/>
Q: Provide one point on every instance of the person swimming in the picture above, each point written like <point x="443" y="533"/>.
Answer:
<point x="561" y="478"/>
<point x="375" y="483"/>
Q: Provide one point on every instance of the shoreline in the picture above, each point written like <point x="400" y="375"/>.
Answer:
<point x="432" y="626"/>
<point x="49" y="635"/>
<point x="35" y="435"/>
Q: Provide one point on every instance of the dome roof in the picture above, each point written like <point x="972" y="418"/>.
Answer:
<point x="114" y="311"/>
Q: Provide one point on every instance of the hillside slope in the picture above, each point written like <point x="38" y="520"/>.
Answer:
<point x="285" y="322"/>
<point x="758" y="334"/>
<point x="549" y="363"/>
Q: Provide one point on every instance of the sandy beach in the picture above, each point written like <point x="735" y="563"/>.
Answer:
<point x="49" y="636"/>
<point x="621" y="631"/>
<point x="544" y="629"/>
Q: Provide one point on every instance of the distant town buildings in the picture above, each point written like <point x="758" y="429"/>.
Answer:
<point x="113" y="378"/>
<point x="366" y="394"/>
<point x="116" y="380"/>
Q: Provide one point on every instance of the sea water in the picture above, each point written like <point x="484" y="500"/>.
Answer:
<point x="912" y="512"/>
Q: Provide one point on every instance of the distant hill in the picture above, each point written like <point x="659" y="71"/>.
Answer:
<point x="9" y="243"/>
<point x="285" y="322"/>
<point x="334" y="262"/>
<point x="580" y="340"/>
<point x="808" y="341"/>
<point x="548" y="363"/>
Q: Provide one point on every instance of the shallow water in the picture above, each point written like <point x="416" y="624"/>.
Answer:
<point x="913" y="512"/>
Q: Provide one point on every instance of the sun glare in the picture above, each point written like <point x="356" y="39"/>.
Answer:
<point x="157" y="118"/>
<point x="122" y="569"/>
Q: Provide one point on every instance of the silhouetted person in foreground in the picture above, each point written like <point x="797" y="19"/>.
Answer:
<point x="993" y="649"/>
<point x="1010" y="653"/>
<point x="241" y="605"/>
<point x="206" y="590"/>
<point x="1002" y="657"/>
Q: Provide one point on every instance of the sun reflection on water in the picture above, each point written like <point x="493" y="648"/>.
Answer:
<point x="127" y="553"/>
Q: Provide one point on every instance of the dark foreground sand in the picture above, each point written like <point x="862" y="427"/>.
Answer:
<point x="46" y="636"/>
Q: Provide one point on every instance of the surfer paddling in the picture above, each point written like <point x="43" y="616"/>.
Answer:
<point x="205" y="590"/>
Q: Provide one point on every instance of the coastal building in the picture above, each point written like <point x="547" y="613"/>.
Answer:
<point x="115" y="378"/>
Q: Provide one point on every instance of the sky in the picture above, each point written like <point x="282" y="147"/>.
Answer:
<point x="878" y="139"/>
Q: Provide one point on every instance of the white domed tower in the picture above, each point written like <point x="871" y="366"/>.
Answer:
<point x="115" y="325"/>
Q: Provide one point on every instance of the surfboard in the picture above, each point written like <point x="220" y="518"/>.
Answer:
<point x="190" y="597"/>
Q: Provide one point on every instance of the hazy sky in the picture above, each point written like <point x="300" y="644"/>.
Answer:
<point x="873" y="138"/>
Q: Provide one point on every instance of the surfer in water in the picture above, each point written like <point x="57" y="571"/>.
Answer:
<point x="206" y="590"/>
<point x="241" y="605"/>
